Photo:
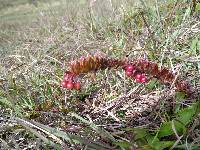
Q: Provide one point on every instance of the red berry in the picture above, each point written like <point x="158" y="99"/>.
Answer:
<point x="143" y="75"/>
<point x="130" y="68"/>
<point x="129" y="73"/>
<point x="70" y="85"/>
<point x="138" y="80"/>
<point x="138" y="76"/>
<point x="64" y="84"/>
<point x="77" y="86"/>
<point x="143" y="80"/>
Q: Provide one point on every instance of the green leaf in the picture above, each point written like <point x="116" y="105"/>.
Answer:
<point x="179" y="97"/>
<point x="121" y="113"/>
<point x="8" y="103"/>
<point x="152" y="84"/>
<point x="123" y="144"/>
<point x="197" y="7"/>
<point x="139" y="133"/>
<point x="183" y="118"/>
<point x="162" y="145"/>
<point x="198" y="65"/>
<point x="5" y="101"/>
<point x="166" y="128"/>
<point x="186" y="115"/>
<point x="191" y="146"/>
<point x="187" y="13"/>
<point x="152" y="139"/>
<point x="145" y="147"/>
<point x="194" y="47"/>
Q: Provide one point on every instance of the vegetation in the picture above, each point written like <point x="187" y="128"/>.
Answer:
<point x="89" y="44"/>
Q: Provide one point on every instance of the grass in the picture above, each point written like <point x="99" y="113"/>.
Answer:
<point x="37" y="42"/>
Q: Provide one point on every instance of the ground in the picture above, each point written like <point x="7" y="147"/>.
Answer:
<point x="38" y="41"/>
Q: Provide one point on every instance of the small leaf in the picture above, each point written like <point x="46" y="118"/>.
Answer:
<point x="186" y="115"/>
<point x="192" y="146"/>
<point x="5" y="101"/>
<point x="179" y="97"/>
<point x="140" y="22"/>
<point x="151" y="85"/>
<point x="198" y="65"/>
<point x="166" y="128"/>
<point x="194" y="46"/>
<point x="145" y="147"/>
<point x="151" y="139"/>
<point x="197" y="7"/>
<point x="120" y="113"/>
<point x="139" y="133"/>
<point x="162" y="145"/>
<point x="187" y="13"/>
<point x="123" y="144"/>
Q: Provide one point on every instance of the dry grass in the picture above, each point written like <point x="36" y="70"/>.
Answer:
<point x="37" y="44"/>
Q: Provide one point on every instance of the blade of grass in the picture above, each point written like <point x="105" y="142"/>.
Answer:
<point x="43" y="138"/>
<point x="73" y="139"/>
<point x="100" y="131"/>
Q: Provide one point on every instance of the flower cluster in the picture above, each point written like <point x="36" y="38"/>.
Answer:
<point x="93" y="63"/>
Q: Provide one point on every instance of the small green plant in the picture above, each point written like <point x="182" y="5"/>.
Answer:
<point x="168" y="135"/>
